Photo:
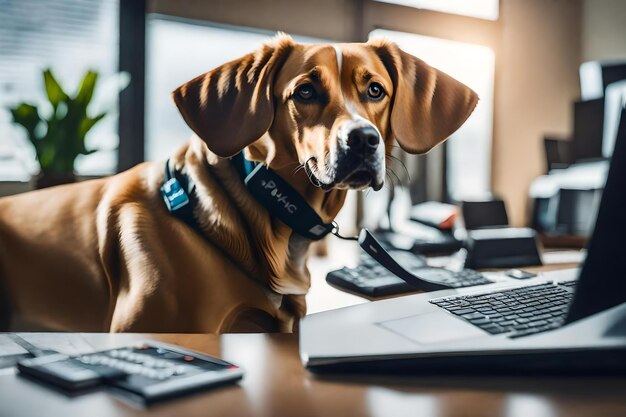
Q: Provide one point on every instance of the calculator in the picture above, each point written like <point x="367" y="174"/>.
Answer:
<point x="149" y="371"/>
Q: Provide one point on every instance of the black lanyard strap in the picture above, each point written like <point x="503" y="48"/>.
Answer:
<point x="280" y="199"/>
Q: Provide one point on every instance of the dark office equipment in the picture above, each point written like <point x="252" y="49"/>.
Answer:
<point x="482" y="214"/>
<point x="444" y="244"/>
<point x="558" y="153"/>
<point x="491" y="243"/>
<point x="570" y="212"/>
<point x="373" y="280"/>
<point x="502" y="248"/>
<point x="577" y="211"/>
<point x="432" y="242"/>
<point x="588" y="129"/>
<point x="149" y="372"/>
<point x="68" y="373"/>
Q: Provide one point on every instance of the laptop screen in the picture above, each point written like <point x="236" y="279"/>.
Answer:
<point x="602" y="282"/>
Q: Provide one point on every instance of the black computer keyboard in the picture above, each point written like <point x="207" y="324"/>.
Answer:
<point x="518" y="311"/>
<point x="371" y="279"/>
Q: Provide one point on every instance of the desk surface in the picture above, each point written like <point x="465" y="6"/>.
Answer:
<point x="277" y="385"/>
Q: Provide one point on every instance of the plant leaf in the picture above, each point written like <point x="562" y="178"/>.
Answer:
<point x="63" y="138"/>
<point x="53" y="89"/>
<point x="87" y="123"/>
<point x="27" y="115"/>
<point x="87" y="86"/>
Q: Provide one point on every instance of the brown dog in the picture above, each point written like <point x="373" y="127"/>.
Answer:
<point x="106" y="255"/>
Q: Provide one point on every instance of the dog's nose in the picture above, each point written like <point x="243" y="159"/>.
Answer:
<point x="363" y="140"/>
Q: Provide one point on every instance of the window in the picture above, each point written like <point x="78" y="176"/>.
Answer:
<point x="469" y="149"/>
<point x="178" y="51"/>
<point x="69" y="36"/>
<point x="483" y="9"/>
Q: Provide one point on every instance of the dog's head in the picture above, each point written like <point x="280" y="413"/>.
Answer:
<point x="332" y="109"/>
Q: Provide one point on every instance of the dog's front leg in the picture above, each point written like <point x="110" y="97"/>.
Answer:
<point x="144" y="297"/>
<point x="145" y="303"/>
<point x="138" y="311"/>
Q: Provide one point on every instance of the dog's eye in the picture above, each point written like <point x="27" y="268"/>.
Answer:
<point x="305" y="92"/>
<point x="375" y="91"/>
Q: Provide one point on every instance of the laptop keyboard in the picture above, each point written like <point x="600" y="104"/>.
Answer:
<point x="518" y="312"/>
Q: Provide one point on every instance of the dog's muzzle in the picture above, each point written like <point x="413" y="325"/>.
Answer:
<point x="360" y="163"/>
<point x="356" y="162"/>
<point x="363" y="140"/>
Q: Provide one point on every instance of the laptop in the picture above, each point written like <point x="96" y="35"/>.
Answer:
<point x="562" y="321"/>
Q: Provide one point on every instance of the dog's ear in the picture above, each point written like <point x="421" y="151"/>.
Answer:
<point x="428" y="105"/>
<point x="232" y="106"/>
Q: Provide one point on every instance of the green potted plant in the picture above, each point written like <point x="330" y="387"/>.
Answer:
<point x="59" y="138"/>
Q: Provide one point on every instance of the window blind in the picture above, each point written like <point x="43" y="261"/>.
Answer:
<point x="70" y="37"/>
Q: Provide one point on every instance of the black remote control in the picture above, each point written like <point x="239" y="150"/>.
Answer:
<point x="150" y="371"/>
<point x="67" y="372"/>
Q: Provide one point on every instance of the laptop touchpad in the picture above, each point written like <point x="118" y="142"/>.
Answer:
<point x="432" y="328"/>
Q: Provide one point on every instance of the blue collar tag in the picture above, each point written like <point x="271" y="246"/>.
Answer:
<point x="174" y="195"/>
<point x="178" y="192"/>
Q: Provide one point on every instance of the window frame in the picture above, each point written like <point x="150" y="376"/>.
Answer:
<point x="132" y="100"/>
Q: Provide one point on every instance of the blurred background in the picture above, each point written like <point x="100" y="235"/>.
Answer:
<point x="541" y="112"/>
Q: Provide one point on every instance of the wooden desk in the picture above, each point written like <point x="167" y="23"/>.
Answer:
<point x="276" y="385"/>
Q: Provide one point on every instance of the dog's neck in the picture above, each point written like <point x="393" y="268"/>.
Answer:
<point x="265" y="248"/>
